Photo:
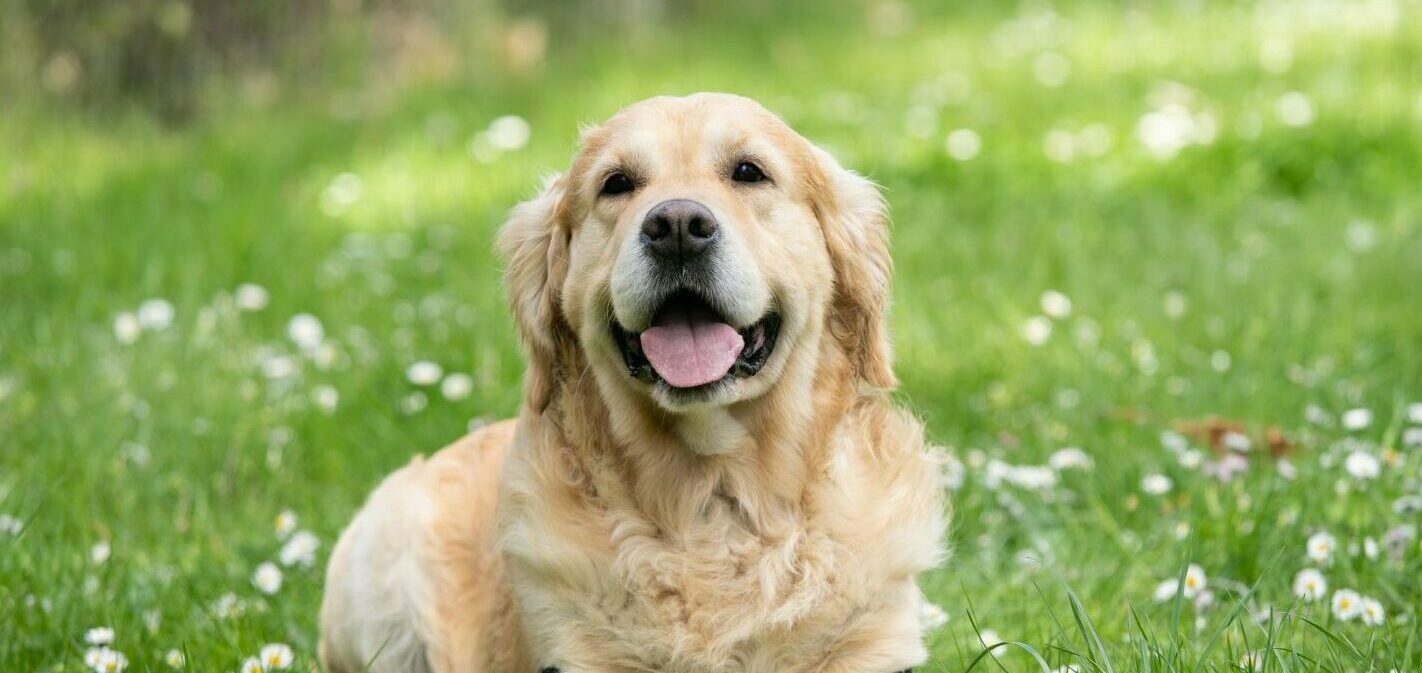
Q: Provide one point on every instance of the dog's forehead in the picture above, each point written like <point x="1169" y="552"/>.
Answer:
<point x="683" y="130"/>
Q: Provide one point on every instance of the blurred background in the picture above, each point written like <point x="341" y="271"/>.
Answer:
<point x="1156" y="295"/>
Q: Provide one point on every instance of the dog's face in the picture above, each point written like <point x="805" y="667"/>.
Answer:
<point x="696" y="247"/>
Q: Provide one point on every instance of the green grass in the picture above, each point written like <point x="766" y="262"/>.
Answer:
<point x="1295" y="252"/>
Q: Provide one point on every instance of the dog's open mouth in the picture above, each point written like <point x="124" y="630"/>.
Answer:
<point x="689" y="345"/>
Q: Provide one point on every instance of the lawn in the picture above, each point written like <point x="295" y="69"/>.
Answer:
<point x="1183" y="239"/>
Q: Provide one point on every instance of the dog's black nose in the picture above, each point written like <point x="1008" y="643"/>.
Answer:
<point x="678" y="230"/>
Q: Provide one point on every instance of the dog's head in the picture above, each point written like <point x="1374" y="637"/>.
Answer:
<point x="695" y="251"/>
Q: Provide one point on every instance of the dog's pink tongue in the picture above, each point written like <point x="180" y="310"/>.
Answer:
<point x="691" y="348"/>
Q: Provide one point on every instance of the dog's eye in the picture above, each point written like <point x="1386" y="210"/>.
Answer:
<point x="747" y="172"/>
<point x="617" y="183"/>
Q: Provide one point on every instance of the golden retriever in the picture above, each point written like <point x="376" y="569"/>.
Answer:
<point x="707" y="474"/>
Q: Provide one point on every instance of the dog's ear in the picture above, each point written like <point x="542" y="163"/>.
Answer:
<point x="534" y="246"/>
<point x="855" y="221"/>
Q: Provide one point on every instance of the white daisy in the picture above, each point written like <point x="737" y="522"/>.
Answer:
<point x="228" y="605"/>
<point x="1320" y="547"/>
<point x="963" y="144"/>
<point x="424" y="373"/>
<point x="1362" y="465"/>
<point x="126" y="328"/>
<point x="300" y="549"/>
<point x="1194" y="581"/>
<point x="1235" y="441"/>
<point x="109" y="661"/>
<point x="342" y="193"/>
<point x="251" y="297"/>
<point x="1371" y="611"/>
<point x="1036" y="330"/>
<point x="267" y="578"/>
<point x="1294" y="109"/>
<point x="990" y="639"/>
<point x="285" y="523"/>
<point x="305" y="331"/>
<point x="100" y="636"/>
<point x="276" y="656"/>
<point x="1055" y="304"/>
<point x="931" y="616"/>
<point x="326" y="398"/>
<point x="456" y="386"/>
<point x="1414" y="412"/>
<point x="1412" y="437"/>
<point x="1310" y="585"/>
<point x="1156" y="484"/>
<point x="1357" y="419"/>
<point x="251" y="665"/>
<point x="174" y="659"/>
<point x="155" y="315"/>
<point x="508" y="133"/>
<point x="1347" y="604"/>
<point x="11" y="525"/>
<point x="1070" y="458"/>
<point x="99" y="553"/>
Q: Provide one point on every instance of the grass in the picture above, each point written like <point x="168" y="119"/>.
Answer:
<point x="1265" y="270"/>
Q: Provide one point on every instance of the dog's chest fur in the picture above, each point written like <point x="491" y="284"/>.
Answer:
<point x="718" y="595"/>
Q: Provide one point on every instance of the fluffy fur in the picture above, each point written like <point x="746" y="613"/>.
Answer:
<point x="776" y="526"/>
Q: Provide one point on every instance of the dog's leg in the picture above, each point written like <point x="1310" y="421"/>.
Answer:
<point x="376" y="615"/>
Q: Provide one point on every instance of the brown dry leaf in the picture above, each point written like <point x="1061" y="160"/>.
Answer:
<point x="1279" y="445"/>
<point x="1210" y="431"/>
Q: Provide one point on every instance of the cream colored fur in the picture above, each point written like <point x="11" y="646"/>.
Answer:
<point x="775" y="527"/>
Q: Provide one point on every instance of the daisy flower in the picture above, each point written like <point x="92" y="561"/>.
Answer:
<point x="963" y="144"/>
<point x="1362" y="465"/>
<point x="267" y="578"/>
<point x="1371" y="611"/>
<point x="990" y="639"/>
<point x="1320" y="547"/>
<point x="305" y="331"/>
<point x="155" y="315"/>
<point x="1347" y="604"/>
<point x="285" y="523"/>
<point x="99" y="636"/>
<point x="931" y="616"/>
<point x="1194" y="581"/>
<point x="1156" y="484"/>
<point x="424" y="373"/>
<point x="1070" y="458"/>
<point x="300" y="549"/>
<point x="105" y="660"/>
<point x="174" y="659"/>
<point x="99" y="553"/>
<point x="1310" y="585"/>
<point x="456" y="386"/>
<point x="326" y="398"/>
<point x="126" y="328"/>
<point x="276" y="657"/>
<point x="251" y="665"/>
<point x="1357" y="419"/>
<point x="1055" y="304"/>
<point x="251" y="297"/>
<point x="1036" y="330"/>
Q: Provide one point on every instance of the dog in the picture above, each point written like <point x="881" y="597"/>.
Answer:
<point x="707" y="474"/>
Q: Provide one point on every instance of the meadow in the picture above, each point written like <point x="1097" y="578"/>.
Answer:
<point x="1158" y="297"/>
